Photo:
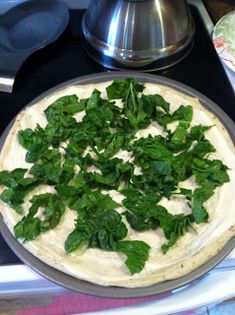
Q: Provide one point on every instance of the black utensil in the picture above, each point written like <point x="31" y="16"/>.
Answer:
<point x="24" y="29"/>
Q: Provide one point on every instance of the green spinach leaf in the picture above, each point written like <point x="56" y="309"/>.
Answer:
<point x="30" y="226"/>
<point x="137" y="253"/>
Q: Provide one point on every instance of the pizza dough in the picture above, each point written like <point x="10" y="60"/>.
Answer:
<point x="108" y="268"/>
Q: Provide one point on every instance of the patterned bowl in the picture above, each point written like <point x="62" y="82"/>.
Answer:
<point x="224" y="39"/>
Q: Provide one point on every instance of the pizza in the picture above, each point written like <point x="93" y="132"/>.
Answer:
<point x="119" y="183"/>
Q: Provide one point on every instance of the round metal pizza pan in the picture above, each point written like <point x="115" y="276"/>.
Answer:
<point x="85" y="287"/>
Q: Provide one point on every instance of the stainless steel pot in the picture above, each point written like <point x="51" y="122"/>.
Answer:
<point x="138" y="34"/>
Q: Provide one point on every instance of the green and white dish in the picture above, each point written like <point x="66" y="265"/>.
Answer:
<point x="224" y="39"/>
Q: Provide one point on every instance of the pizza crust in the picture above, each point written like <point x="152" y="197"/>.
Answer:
<point x="108" y="268"/>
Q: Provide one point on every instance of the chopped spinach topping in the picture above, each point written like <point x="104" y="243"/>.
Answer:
<point x="30" y="226"/>
<point x="78" y="159"/>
